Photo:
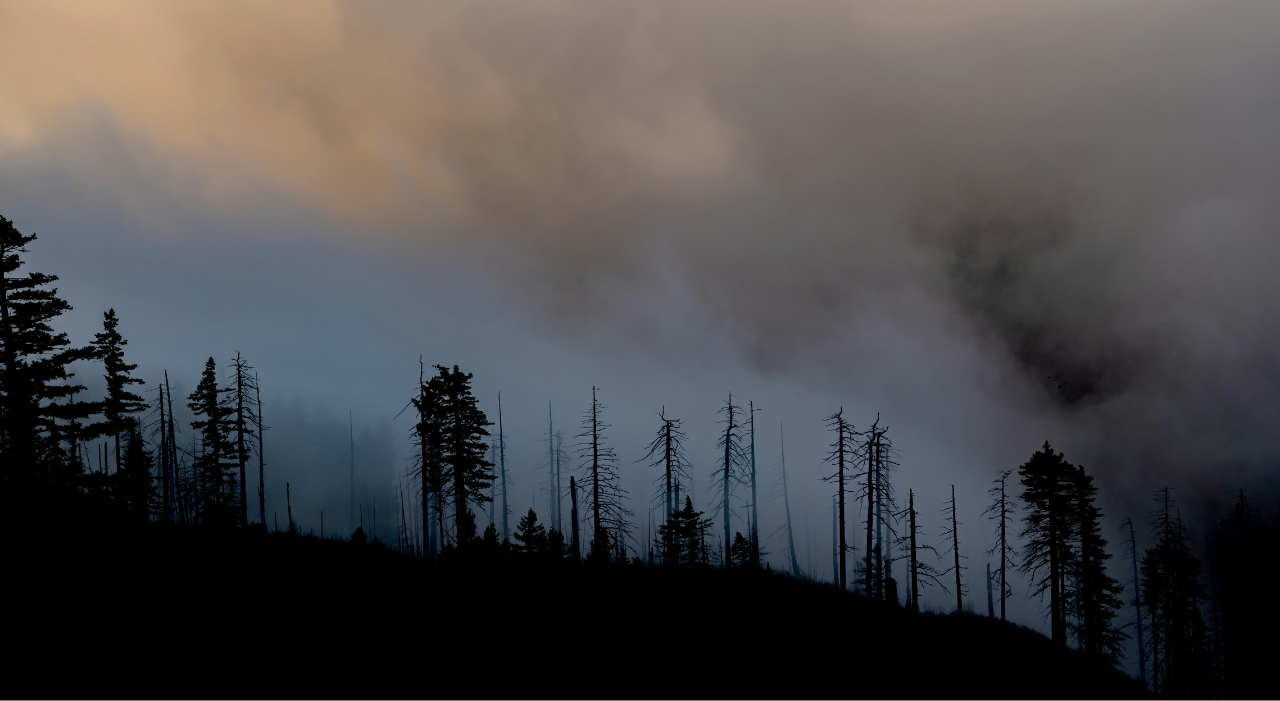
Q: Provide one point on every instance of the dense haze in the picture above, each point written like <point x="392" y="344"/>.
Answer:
<point x="994" y="223"/>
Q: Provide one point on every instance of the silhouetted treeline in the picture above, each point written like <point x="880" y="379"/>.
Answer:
<point x="123" y="458"/>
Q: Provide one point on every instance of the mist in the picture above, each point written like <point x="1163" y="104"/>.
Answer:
<point x="991" y="225"/>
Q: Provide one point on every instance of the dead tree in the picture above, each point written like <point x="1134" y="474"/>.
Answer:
<point x="1002" y="511"/>
<point x="243" y="424"/>
<point x="730" y="442"/>
<point x="952" y="532"/>
<point x="262" y="430"/>
<point x="786" y="502"/>
<point x="841" y="455"/>
<point x="573" y="514"/>
<point x="1137" y="601"/>
<point x="502" y="473"/>
<point x="877" y="459"/>
<point x="755" y="512"/>
<point x="666" y="450"/>
<point x="599" y="466"/>
<point x="920" y="572"/>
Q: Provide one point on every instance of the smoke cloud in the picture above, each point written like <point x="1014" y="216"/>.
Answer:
<point x="996" y="222"/>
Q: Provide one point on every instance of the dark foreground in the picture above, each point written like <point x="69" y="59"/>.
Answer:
<point x="173" y="612"/>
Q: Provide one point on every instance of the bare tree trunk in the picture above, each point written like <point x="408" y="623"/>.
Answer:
<point x="262" y="480"/>
<point x="240" y="453"/>
<point x="786" y="502"/>
<point x="1137" y="605"/>
<point x="1004" y="550"/>
<point x="728" y="455"/>
<point x="351" y="434"/>
<point x="915" y="578"/>
<point x="166" y="512"/>
<point x="573" y="515"/>
<point x="755" y="512"/>
<point x="955" y="548"/>
<point x="551" y="467"/>
<point x="502" y="463"/>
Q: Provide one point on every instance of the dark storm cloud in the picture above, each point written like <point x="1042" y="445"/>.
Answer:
<point x="996" y="222"/>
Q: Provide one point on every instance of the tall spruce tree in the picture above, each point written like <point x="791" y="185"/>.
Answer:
<point x="1098" y="593"/>
<point x="1048" y="485"/>
<point x="212" y="467"/>
<point x="35" y="382"/>
<point x="467" y="470"/>
<point x="429" y="437"/>
<point x="120" y="404"/>
<point x="134" y="490"/>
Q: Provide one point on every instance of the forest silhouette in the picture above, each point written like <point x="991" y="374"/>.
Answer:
<point x="141" y="564"/>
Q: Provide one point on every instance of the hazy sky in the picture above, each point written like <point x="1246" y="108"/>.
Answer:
<point x="994" y="223"/>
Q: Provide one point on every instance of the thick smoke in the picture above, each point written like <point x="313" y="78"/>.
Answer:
<point x="997" y="222"/>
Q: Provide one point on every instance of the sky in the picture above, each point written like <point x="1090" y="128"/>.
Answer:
<point x="993" y="224"/>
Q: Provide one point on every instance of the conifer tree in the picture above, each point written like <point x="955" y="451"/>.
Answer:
<point x="468" y="471"/>
<point x="740" y="555"/>
<point x="213" y="471"/>
<point x="133" y="489"/>
<point x="608" y="515"/>
<point x="1047" y="481"/>
<point x="688" y="531"/>
<point x="429" y="437"/>
<point x="1099" y="594"/>
<point x="120" y="404"/>
<point x="530" y="536"/>
<point x="34" y="378"/>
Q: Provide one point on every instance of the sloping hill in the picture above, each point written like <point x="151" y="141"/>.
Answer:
<point x="158" y="611"/>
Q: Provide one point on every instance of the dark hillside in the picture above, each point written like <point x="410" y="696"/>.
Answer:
<point x="154" y="611"/>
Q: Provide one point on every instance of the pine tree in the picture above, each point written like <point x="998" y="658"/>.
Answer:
<point x="740" y="553"/>
<point x="608" y="515"/>
<point x="688" y="530"/>
<point x="530" y="536"/>
<point x="467" y="470"/>
<point x="133" y="489"/>
<point x="1099" y="594"/>
<point x="429" y="437"/>
<point x="212" y="469"/>
<point x="34" y="378"/>
<point x="1047" y="481"/>
<point x="120" y="404"/>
